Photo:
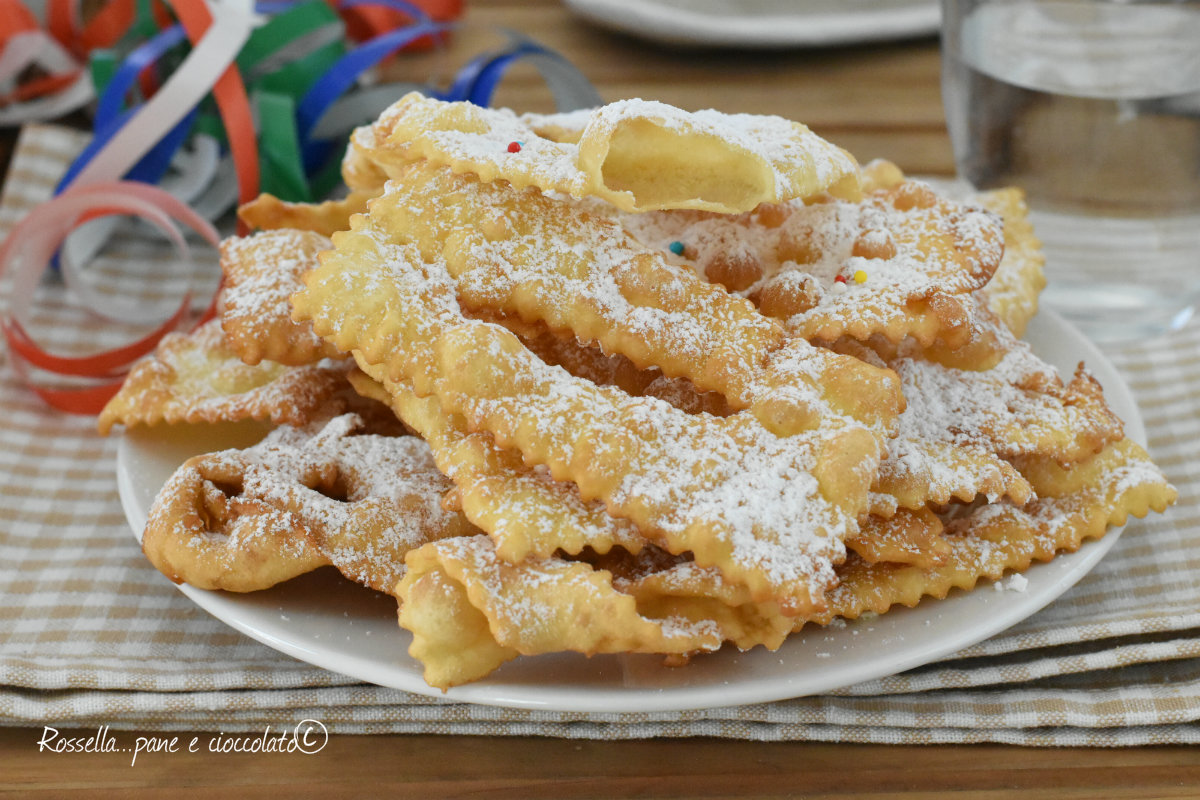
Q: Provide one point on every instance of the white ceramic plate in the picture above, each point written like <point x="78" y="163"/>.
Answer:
<point x="327" y="621"/>
<point x="763" y="23"/>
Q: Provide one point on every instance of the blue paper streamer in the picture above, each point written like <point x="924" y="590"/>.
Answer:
<point x="476" y="82"/>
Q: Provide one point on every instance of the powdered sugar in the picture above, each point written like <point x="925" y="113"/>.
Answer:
<point x="781" y="144"/>
<point x="361" y="500"/>
<point x="686" y="478"/>
<point x="767" y="159"/>
<point x="727" y="489"/>
<point x="857" y="260"/>
<point x="536" y="605"/>
<point x="262" y="272"/>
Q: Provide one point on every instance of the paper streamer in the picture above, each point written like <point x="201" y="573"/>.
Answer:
<point x="192" y="173"/>
<point x="66" y="88"/>
<point x="25" y="255"/>
<point x="226" y="98"/>
<point x="216" y="46"/>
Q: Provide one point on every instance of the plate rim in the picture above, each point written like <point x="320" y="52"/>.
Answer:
<point x="792" y="27"/>
<point x="1068" y="568"/>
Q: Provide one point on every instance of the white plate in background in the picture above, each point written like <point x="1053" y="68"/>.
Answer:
<point x="763" y="24"/>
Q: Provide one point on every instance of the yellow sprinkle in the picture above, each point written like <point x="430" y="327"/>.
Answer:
<point x="860" y="276"/>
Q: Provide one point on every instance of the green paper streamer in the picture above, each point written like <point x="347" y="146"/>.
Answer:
<point x="282" y="169"/>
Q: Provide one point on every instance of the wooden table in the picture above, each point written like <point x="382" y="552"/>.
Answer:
<point x="877" y="101"/>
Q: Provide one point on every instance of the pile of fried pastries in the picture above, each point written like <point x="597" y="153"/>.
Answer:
<point x="628" y="380"/>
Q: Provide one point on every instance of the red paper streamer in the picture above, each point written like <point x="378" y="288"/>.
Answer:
<point x="26" y="253"/>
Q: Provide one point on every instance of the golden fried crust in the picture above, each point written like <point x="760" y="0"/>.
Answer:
<point x="525" y="511"/>
<point x="261" y="272"/>
<point x="714" y="486"/>
<point x="267" y="212"/>
<point x="1074" y="504"/>
<point x="198" y="378"/>
<point x="244" y="520"/>
<point x="908" y="537"/>
<point x="900" y="262"/>
<point x="469" y="611"/>
<point x="525" y="254"/>
<point x="637" y="155"/>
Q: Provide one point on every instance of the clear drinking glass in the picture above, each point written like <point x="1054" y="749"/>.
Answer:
<point x="1092" y="107"/>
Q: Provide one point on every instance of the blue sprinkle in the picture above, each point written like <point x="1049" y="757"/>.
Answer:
<point x="676" y="248"/>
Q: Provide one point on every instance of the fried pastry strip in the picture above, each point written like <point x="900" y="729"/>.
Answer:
<point x="899" y="262"/>
<point x="524" y="253"/>
<point x="961" y="427"/>
<point x="998" y="313"/>
<point x="267" y="212"/>
<point x="675" y="586"/>
<point x="197" y="378"/>
<point x="1074" y="503"/>
<point x="770" y="511"/>
<point x="1012" y="294"/>
<point x="461" y="621"/>
<point x="527" y="513"/>
<point x="244" y="520"/>
<point x="635" y="154"/>
<point x="261" y="272"/>
<point x="470" y="611"/>
<point x="1020" y="407"/>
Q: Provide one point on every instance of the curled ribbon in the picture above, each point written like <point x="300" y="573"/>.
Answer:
<point x="61" y="84"/>
<point x="25" y="255"/>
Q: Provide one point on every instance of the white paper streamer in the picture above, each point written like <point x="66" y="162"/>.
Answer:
<point x="231" y="25"/>
<point x="39" y="48"/>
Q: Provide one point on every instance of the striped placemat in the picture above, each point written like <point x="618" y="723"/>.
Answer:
<point x="90" y="634"/>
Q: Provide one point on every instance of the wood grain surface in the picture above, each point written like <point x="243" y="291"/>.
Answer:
<point x="881" y="100"/>
<point x="397" y="766"/>
<point x="878" y="101"/>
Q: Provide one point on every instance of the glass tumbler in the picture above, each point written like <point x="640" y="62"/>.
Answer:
<point x="1093" y="108"/>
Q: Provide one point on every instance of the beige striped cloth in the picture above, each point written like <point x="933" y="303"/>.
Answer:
<point x="90" y="634"/>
